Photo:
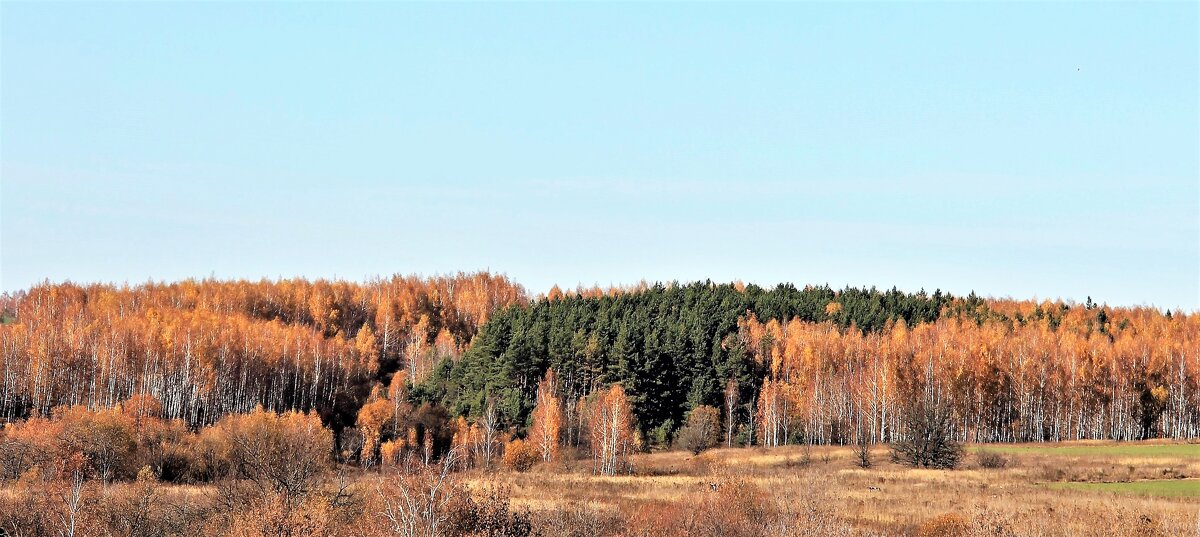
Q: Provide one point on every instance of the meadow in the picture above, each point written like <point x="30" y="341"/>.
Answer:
<point x="1070" y="488"/>
<point x="264" y="474"/>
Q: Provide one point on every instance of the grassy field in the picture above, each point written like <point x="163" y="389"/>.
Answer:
<point x="1098" y="449"/>
<point x="1166" y="488"/>
<point x="1087" y="489"/>
<point x="1084" y="488"/>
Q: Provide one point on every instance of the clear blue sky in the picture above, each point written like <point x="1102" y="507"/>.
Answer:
<point x="1016" y="149"/>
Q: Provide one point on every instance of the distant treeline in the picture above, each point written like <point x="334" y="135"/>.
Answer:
<point x="207" y="348"/>
<point x="784" y="364"/>
<point x="832" y="366"/>
<point x="673" y="347"/>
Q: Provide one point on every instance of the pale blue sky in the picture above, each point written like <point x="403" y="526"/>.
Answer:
<point x="1047" y="150"/>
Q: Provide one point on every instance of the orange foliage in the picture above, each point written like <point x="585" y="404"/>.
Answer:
<point x="611" y="437"/>
<point x="546" y="429"/>
<point x="520" y="455"/>
<point x="1064" y="376"/>
<point x="376" y="414"/>
<point x="206" y="348"/>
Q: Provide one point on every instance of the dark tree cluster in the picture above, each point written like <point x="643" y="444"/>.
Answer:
<point x="673" y="347"/>
<point x="929" y="440"/>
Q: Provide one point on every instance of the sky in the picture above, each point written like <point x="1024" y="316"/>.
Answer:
<point x="1013" y="149"/>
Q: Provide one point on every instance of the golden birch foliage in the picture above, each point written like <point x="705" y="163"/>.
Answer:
<point x="611" y="436"/>
<point x="546" y="430"/>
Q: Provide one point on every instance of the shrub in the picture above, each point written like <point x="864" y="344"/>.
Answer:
<point x="991" y="460"/>
<point x="520" y="455"/>
<point x="862" y="452"/>
<point x="734" y="508"/>
<point x="422" y="501"/>
<point x="578" y="520"/>
<point x="276" y="516"/>
<point x="928" y="439"/>
<point x="284" y="452"/>
<point x="26" y="445"/>
<point x="106" y="438"/>
<point x="947" y="525"/>
<point x="701" y="430"/>
<point x="145" y="507"/>
<point x="487" y="514"/>
<point x="430" y="500"/>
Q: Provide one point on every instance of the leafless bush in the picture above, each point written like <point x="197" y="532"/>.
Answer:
<point x="428" y="501"/>
<point x="991" y="460"/>
<point x="577" y="520"/>
<point x="862" y="452"/>
<point x="417" y="504"/>
<point x="928" y="439"/>
<point x="701" y="430"/>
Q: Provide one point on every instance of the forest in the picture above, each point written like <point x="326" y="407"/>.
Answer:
<point x="826" y="366"/>
<point x="829" y="366"/>
<point x="210" y="348"/>
<point x="296" y="407"/>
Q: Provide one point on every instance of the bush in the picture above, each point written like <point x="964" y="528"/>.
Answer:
<point x="423" y="500"/>
<point x="701" y="430"/>
<point x="520" y="455"/>
<point x="862" y="452"/>
<point x="578" y="520"/>
<point x="735" y="507"/>
<point x="429" y="500"/>
<point x="732" y="508"/>
<point x="991" y="460"/>
<point x="106" y="438"/>
<point x="928" y="439"/>
<point x="285" y="452"/>
<point x="488" y="514"/>
<point x="947" y="525"/>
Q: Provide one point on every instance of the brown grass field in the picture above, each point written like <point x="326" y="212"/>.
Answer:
<point x="1061" y="489"/>
<point x="1074" y="488"/>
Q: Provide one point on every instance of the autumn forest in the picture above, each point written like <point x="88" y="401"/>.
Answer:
<point x="296" y="407"/>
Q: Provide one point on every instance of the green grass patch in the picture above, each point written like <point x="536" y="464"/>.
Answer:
<point x="1126" y="449"/>
<point x="1172" y="488"/>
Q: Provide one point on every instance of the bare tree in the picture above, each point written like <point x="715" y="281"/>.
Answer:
<point x="928" y="436"/>
<point x="489" y="434"/>
<point x="417" y="504"/>
<point x="731" y="400"/>
<point x="72" y="499"/>
<point x="863" y="451"/>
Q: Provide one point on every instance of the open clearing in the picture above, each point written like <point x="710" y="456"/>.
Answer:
<point x="1097" y="449"/>
<point x="1155" y="487"/>
<point x="1076" y="488"/>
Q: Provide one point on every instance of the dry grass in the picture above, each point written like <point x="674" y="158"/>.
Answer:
<point x="1020" y="499"/>
<point x="1076" y="489"/>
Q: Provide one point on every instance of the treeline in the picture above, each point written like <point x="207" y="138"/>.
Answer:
<point x="817" y="365"/>
<point x="209" y="348"/>
<point x="781" y="365"/>
<point x="1015" y="375"/>
<point x="672" y="347"/>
